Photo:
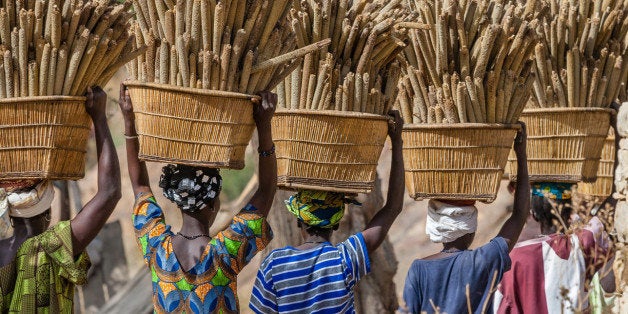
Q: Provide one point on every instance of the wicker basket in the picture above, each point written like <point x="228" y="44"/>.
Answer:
<point x="456" y="161"/>
<point x="192" y="126"/>
<point x="603" y="186"/>
<point x="328" y="150"/>
<point x="564" y="144"/>
<point x="43" y="137"/>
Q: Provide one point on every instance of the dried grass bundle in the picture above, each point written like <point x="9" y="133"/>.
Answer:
<point x="473" y="63"/>
<point x="580" y="59"/>
<point x="61" y="47"/>
<point x="356" y="71"/>
<point x="239" y="45"/>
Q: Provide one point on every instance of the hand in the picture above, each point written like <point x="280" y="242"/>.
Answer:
<point x="520" y="140"/>
<point x="124" y="101"/>
<point x="264" y="108"/>
<point x="395" y="127"/>
<point x="96" y="104"/>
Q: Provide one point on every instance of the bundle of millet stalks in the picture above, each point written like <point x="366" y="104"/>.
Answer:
<point x="239" y="45"/>
<point x="580" y="61"/>
<point x="356" y="72"/>
<point x="472" y="65"/>
<point x="58" y="47"/>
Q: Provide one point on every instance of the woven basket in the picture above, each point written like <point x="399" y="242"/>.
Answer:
<point x="603" y="186"/>
<point x="328" y="150"/>
<point x="456" y="161"/>
<point x="43" y="138"/>
<point x="192" y="126"/>
<point x="564" y="144"/>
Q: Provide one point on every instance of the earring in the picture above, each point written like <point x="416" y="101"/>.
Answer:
<point x="47" y="217"/>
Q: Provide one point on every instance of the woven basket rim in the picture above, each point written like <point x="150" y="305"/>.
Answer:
<point x="43" y="99"/>
<point x="484" y="198"/>
<point x="447" y="126"/>
<point x="330" y="113"/>
<point x="568" y="109"/>
<point x="189" y="90"/>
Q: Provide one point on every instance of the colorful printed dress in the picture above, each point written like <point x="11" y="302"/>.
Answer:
<point x="211" y="285"/>
<point x="42" y="277"/>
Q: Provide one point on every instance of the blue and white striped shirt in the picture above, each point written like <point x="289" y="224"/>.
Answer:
<point x="317" y="280"/>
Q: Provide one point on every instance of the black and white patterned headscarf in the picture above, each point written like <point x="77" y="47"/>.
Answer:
<point x="191" y="188"/>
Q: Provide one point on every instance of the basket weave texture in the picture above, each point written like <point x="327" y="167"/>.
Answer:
<point x="328" y="150"/>
<point x="603" y="186"/>
<point x="43" y="138"/>
<point x="456" y="161"/>
<point x="192" y="126"/>
<point x="564" y="144"/>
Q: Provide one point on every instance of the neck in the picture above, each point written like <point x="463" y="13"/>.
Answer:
<point x="194" y="225"/>
<point x="26" y="228"/>
<point x="315" y="238"/>
<point x="454" y="246"/>
<point x="547" y="230"/>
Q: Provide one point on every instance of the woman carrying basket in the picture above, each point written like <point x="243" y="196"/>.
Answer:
<point x="318" y="277"/>
<point x="193" y="272"/>
<point x="549" y="271"/>
<point x="459" y="280"/>
<point x="39" y="266"/>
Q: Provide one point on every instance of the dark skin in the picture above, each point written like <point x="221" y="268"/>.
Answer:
<point x="378" y="227"/>
<point x="511" y="229"/>
<point x="94" y="215"/>
<point x="189" y="252"/>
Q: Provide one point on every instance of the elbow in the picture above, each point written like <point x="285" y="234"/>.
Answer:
<point x="112" y="194"/>
<point x="267" y="193"/>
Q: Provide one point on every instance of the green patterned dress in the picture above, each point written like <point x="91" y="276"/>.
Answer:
<point x="42" y="277"/>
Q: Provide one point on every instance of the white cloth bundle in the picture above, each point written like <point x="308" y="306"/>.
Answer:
<point x="446" y="223"/>
<point x="27" y="204"/>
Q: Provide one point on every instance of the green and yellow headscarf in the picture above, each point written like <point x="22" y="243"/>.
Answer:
<point x="318" y="208"/>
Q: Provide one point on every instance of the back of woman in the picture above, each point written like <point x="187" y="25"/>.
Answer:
<point x="443" y="282"/>
<point x="317" y="279"/>
<point x="211" y="283"/>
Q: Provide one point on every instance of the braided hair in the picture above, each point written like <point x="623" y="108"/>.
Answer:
<point x="191" y="188"/>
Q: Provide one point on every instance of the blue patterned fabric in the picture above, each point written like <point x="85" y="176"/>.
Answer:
<point x="552" y="190"/>
<point x="211" y="285"/>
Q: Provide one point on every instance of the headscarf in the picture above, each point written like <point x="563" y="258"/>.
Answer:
<point x="552" y="190"/>
<point x="189" y="187"/>
<point x="29" y="203"/>
<point x="446" y="223"/>
<point x="319" y="209"/>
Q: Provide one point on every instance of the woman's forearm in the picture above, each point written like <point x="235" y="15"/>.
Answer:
<point x="108" y="164"/>
<point x="137" y="169"/>
<point x="396" y="185"/>
<point x="267" y="168"/>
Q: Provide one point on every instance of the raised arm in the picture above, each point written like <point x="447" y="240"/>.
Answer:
<point x="378" y="227"/>
<point x="513" y="226"/>
<point x="137" y="169"/>
<point x="94" y="215"/>
<point x="267" y="173"/>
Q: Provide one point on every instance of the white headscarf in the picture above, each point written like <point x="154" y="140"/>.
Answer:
<point x="27" y="204"/>
<point x="446" y="223"/>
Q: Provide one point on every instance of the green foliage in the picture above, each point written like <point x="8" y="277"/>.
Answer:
<point x="234" y="181"/>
